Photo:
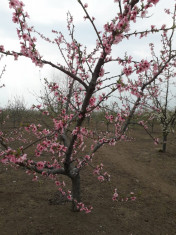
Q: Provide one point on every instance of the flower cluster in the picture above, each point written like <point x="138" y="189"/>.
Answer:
<point x="28" y="43"/>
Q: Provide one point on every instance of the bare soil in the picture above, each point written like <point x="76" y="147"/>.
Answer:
<point x="138" y="166"/>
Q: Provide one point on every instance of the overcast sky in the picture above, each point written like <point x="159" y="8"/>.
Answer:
<point x="22" y="78"/>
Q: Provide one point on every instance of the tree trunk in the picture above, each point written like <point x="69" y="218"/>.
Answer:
<point x="152" y="125"/>
<point x="107" y="126"/>
<point x="164" y="142"/>
<point x="76" y="194"/>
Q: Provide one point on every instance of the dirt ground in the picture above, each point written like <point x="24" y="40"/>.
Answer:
<point x="137" y="166"/>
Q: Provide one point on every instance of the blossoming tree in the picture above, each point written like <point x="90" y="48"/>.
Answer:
<point x="70" y="144"/>
<point x="161" y="96"/>
<point x="158" y="104"/>
<point x="163" y="112"/>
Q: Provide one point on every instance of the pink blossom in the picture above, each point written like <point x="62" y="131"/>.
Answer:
<point x="142" y="66"/>
<point x="40" y="165"/>
<point x="28" y="172"/>
<point x="35" y="178"/>
<point x="155" y="68"/>
<point x="22" y="158"/>
<point x="58" y="183"/>
<point x="153" y="1"/>
<point x="88" y="210"/>
<point x="108" y="48"/>
<point x="128" y="71"/>
<point x="167" y="11"/>
<point x="156" y="142"/>
<point x="14" y="4"/>
<point x="15" y="56"/>
<point x="4" y="161"/>
<point x="87" y="157"/>
<point x="69" y="197"/>
<point x="75" y="131"/>
<point x="115" y="195"/>
<point x="15" y="18"/>
<point x="152" y="27"/>
<point x="101" y="74"/>
<point x="101" y="178"/>
<point x="37" y="154"/>
<point x="144" y="14"/>
<point x="2" y="48"/>
<point x="80" y="115"/>
<point x="92" y="101"/>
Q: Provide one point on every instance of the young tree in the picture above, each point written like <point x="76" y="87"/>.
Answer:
<point x="48" y="99"/>
<point x="166" y="116"/>
<point x="16" y="110"/>
<point x="2" y="85"/>
<point x="159" y="104"/>
<point x="89" y="86"/>
<point x="161" y="107"/>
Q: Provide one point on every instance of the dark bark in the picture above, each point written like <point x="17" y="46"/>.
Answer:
<point x="152" y="125"/>
<point x="76" y="192"/>
<point x="107" y="126"/>
<point x="164" y="142"/>
<point x="90" y="89"/>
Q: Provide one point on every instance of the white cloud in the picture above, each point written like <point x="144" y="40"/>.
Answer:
<point x="4" y="5"/>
